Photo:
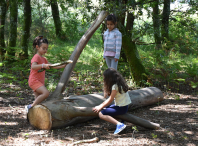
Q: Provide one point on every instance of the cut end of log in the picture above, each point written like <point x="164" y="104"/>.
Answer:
<point x="40" y="117"/>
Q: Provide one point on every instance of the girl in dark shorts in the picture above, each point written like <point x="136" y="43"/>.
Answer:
<point x="115" y="86"/>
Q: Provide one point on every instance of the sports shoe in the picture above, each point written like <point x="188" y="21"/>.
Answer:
<point x="119" y="128"/>
<point x="27" y="107"/>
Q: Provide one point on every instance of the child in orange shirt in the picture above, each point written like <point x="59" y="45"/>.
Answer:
<point x="37" y="79"/>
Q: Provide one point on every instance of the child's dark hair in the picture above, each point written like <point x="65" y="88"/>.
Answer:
<point x="39" y="40"/>
<point x="111" y="77"/>
<point x="112" y="18"/>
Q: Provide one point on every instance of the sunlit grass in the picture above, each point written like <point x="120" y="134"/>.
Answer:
<point x="7" y="78"/>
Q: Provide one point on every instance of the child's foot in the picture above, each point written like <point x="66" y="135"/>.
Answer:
<point x="119" y="128"/>
<point x="27" y="107"/>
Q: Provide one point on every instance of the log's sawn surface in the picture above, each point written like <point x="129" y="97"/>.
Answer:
<point x="77" y="109"/>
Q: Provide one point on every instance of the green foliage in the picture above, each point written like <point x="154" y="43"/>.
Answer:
<point x="193" y="85"/>
<point x="134" y="128"/>
<point x="183" y="34"/>
<point x="191" y="68"/>
<point x="153" y="135"/>
<point x="59" y="52"/>
<point x="172" y="65"/>
<point x="92" y="55"/>
<point x="72" y="27"/>
<point x="18" y="73"/>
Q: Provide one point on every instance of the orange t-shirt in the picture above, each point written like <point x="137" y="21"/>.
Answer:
<point x="37" y="79"/>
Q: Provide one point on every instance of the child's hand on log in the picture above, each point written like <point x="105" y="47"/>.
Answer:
<point x="97" y="109"/>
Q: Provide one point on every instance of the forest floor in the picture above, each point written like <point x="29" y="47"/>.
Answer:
<point x="177" y="115"/>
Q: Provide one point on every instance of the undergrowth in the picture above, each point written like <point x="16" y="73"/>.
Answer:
<point x="169" y="69"/>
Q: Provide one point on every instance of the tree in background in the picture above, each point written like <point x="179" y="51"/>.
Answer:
<point x="165" y="20"/>
<point x="156" y="23"/>
<point x="56" y="18"/>
<point x="3" y="10"/>
<point x="26" y="29"/>
<point x="136" y="67"/>
<point x="13" y="30"/>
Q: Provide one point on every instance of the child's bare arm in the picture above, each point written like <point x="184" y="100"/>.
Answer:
<point x="56" y="65"/>
<point x="36" y="66"/>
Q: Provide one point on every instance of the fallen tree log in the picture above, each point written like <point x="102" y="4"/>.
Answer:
<point x="77" y="109"/>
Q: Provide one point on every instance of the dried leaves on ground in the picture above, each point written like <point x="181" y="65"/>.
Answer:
<point x="177" y="115"/>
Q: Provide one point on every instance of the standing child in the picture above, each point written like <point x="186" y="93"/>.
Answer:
<point x="37" y="79"/>
<point x="116" y="87"/>
<point x="112" y="42"/>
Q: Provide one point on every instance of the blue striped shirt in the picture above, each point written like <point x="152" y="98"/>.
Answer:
<point x="112" y="42"/>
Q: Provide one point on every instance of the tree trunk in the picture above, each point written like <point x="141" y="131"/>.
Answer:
<point x="165" y="20"/>
<point x="121" y="24"/>
<point x="57" y="94"/>
<point x="13" y="29"/>
<point x="136" y="68"/>
<point x="26" y="29"/>
<point x="156" y="24"/>
<point x="77" y="109"/>
<point x="56" y="17"/>
<point x="3" y="9"/>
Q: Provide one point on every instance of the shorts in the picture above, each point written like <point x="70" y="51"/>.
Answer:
<point x="35" y="85"/>
<point x="113" y="110"/>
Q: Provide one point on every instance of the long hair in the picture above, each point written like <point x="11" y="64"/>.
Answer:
<point x="111" y="77"/>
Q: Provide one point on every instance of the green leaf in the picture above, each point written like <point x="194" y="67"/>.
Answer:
<point x="180" y="80"/>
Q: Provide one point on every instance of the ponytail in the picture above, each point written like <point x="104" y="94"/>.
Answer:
<point x="38" y="41"/>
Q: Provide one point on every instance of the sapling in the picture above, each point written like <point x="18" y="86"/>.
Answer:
<point x="134" y="129"/>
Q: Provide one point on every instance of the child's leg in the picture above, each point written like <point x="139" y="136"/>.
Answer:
<point x="108" y="61"/>
<point x="114" y="64"/>
<point x="36" y="95"/>
<point x="112" y="110"/>
<point x="108" y="118"/>
<point x="42" y="93"/>
<point x="111" y="62"/>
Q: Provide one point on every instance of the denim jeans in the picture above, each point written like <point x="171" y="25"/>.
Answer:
<point x="111" y="62"/>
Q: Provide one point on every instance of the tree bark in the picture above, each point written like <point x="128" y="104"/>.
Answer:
<point x="156" y="24"/>
<point x="136" y="68"/>
<point x="56" y="17"/>
<point x="26" y="29"/>
<point x="165" y="20"/>
<point x="57" y="94"/>
<point x="3" y="10"/>
<point x="13" y="30"/>
<point x="121" y="24"/>
<point x="77" y="109"/>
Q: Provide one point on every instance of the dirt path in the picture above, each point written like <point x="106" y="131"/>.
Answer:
<point x="177" y="115"/>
